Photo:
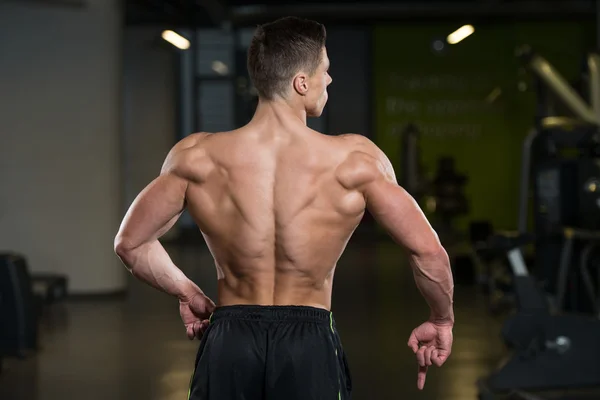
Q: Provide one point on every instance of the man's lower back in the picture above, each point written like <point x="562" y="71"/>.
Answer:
<point x="271" y="352"/>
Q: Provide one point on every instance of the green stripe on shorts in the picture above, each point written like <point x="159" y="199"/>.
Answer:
<point x="332" y="331"/>
<point x="331" y="321"/>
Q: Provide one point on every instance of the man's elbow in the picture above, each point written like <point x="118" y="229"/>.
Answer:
<point x="123" y="247"/>
<point x="432" y="249"/>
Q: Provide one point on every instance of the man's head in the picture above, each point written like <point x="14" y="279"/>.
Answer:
<point x="287" y="58"/>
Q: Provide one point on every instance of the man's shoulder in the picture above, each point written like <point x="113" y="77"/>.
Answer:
<point x="362" y="161"/>
<point x="353" y="138"/>
<point x="359" y="150"/>
<point x="190" y="141"/>
<point x="354" y="144"/>
<point x="187" y="155"/>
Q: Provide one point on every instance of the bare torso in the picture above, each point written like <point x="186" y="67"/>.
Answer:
<point x="275" y="216"/>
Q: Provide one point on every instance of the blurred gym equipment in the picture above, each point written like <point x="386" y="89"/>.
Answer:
<point x="19" y="308"/>
<point x="450" y="200"/>
<point x="444" y="194"/>
<point x="495" y="275"/>
<point x="22" y="298"/>
<point x="560" y="167"/>
<point x="549" y="351"/>
<point x="443" y="198"/>
<point x="412" y="177"/>
<point x="448" y="203"/>
<point x="552" y="350"/>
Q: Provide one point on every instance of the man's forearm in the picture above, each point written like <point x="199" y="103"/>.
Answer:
<point x="151" y="264"/>
<point x="433" y="277"/>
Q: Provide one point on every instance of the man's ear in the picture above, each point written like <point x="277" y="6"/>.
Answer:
<point x="300" y="83"/>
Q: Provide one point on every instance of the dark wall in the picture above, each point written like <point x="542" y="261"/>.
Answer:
<point x="60" y="126"/>
<point x="350" y="100"/>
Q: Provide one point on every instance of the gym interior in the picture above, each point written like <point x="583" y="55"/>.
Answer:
<point x="488" y="109"/>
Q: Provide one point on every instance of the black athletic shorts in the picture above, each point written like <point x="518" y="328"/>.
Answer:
<point x="270" y="353"/>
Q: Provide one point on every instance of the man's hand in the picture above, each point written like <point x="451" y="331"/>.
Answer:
<point x="432" y="344"/>
<point x="195" y="310"/>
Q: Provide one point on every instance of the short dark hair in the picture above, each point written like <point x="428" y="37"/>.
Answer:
<point x="280" y="49"/>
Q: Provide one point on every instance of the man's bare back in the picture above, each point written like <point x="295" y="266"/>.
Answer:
<point x="277" y="203"/>
<point x="270" y="201"/>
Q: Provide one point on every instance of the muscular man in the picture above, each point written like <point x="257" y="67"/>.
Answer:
<point x="277" y="203"/>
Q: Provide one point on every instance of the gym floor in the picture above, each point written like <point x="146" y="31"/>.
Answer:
<point x="134" y="347"/>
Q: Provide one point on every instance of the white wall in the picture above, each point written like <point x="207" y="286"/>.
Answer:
<point x="60" y="110"/>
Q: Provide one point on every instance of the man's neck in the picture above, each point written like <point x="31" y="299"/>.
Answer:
<point x="281" y="109"/>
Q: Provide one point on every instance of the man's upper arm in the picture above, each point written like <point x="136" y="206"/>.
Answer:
<point x="158" y="206"/>
<point x="391" y="206"/>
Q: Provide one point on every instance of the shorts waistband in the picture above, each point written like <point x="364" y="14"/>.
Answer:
<point x="272" y="313"/>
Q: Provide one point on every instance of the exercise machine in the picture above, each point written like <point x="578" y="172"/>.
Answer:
<point x="566" y="212"/>
<point x="561" y="169"/>
<point x="553" y="336"/>
<point x="549" y="352"/>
